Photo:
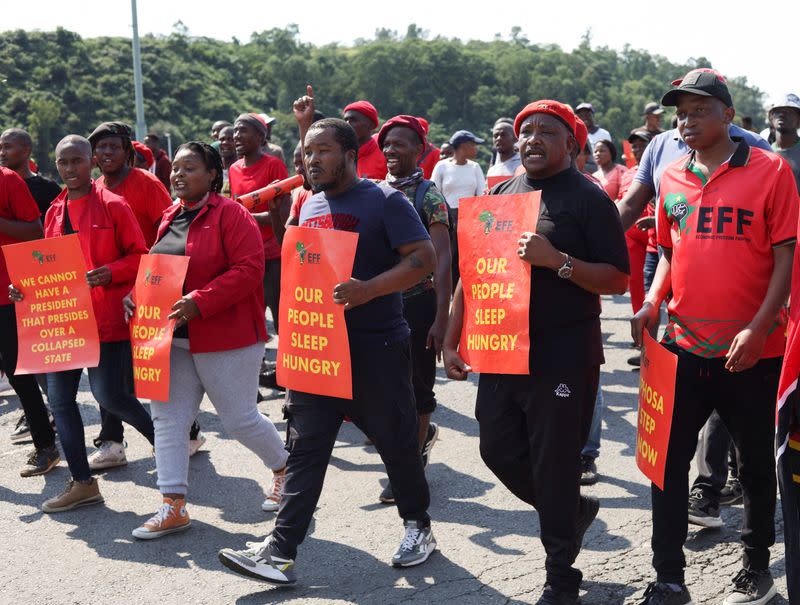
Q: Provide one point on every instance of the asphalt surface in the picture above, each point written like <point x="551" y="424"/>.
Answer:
<point x="489" y="551"/>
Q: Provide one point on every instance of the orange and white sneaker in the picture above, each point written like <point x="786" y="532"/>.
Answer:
<point x="170" y="518"/>
<point x="273" y="501"/>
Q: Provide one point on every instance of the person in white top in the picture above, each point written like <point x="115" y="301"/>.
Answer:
<point x="585" y="112"/>
<point x="457" y="177"/>
<point x="505" y="143"/>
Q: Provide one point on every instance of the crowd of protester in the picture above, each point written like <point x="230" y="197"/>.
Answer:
<point x="701" y="218"/>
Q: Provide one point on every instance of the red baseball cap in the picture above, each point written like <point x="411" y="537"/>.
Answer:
<point x="406" y="121"/>
<point x="581" y="133"/>
<point x="550" y="107"/>
<point x="365" y="108"/>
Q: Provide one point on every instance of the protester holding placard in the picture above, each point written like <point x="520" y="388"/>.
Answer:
<point x="112" y="243"/>
<point x="426" y="305"/>
<point x="219" y="336"/>
<point x="393" y="253"/>
<point x="533" y="427"/>
<point x="727" y="204"/>
<point x="112" y="146"/>
<point x="19" y="221"/>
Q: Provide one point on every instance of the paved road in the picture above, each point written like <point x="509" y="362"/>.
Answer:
<point x="489" y="547"/>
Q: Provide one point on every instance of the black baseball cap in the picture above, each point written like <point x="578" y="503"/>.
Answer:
<point x="704" y="82"/>
<point x="110" y="129"/>
<point x="640" y="133"/>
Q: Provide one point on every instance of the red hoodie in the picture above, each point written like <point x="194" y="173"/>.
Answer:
<point x="109" y="236"/>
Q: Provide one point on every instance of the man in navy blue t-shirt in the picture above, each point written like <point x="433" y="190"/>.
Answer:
<point x="394" y="252"/>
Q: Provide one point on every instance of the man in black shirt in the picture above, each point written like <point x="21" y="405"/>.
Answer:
<point x="533" y="427"/>
<point x="15" y="153"/>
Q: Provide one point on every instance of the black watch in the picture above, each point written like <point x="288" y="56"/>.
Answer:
<point x="565" y="271"/>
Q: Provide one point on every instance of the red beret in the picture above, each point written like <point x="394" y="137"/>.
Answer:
<point x="144" y="151"/>
<point x="406" y="121"/>
<point x="581" y="133"/>
<point x="553" y="108"/>
<point x="425" y="125"/>
<point x="366" y="108"/>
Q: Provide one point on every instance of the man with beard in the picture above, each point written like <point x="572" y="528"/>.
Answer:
<point x="394" y="253"/>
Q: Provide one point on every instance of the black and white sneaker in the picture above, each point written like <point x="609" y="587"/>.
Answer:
<point x="21" y="432"/>
<point x="259" y="561"/>
<point x="702" y="511"/>
<point x="751" y="587"/>
<point x="658" y="593"/>
<point x="416" y="546"/>
<point x="588" y="470"/>
<point x="731" y="494"/>
<point x="430" y="439"/>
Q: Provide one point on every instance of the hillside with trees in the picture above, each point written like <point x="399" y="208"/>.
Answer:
<point x="55" y="83"/>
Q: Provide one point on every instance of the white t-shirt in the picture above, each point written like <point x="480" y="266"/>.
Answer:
<point x="457" y="181"/>
<point x="601" y="134"/>
<point x="507" y="168"/>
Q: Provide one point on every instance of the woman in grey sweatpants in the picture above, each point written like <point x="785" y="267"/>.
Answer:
<point x="219" y="336"/>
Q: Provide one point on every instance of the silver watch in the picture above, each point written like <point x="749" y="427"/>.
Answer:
<point x="565" y="271"/>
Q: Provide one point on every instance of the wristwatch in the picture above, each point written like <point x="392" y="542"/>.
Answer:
<point x="565" y="271"/>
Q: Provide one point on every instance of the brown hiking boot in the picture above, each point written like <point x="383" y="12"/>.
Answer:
<point x="76" y="494"/>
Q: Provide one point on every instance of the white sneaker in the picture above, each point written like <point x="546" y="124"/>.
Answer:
<point x="108" y="455"/>
<point x="196" y="444"/>
<point x="273" y="501"/>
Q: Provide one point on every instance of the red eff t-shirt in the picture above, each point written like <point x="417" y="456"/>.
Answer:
<point x="246" y="179"/>
<point x="722" y="234"/>
<point x="371" y="161"/>
<point x="147" y="197"/>
<point x="16" y="204"/>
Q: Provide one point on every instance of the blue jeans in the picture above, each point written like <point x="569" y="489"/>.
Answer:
<point x="111" y="383"/>
<point x="592" y="447"/>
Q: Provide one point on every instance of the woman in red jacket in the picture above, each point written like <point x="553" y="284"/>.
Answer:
<point x="220" y="332"/>
<point x="112" y="244"/>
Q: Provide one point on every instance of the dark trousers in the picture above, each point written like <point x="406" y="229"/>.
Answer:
<point x="715" y="457"/>
<point x="453" y="215"/>
<point x="272" y="288"/>
<point x="789" y="481"/>
<point x="24" y="385"/>
<point x="532" y="430"/>
<point x="745" y="402"/>
<point x="111" y="383"/>
<point x="420" y="311"/>
<point x="383" y="408"/>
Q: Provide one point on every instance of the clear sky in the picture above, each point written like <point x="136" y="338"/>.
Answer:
<point x="736" y="37"/>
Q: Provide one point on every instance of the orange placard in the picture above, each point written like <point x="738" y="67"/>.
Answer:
<point x="491" y="181"/>
<point x="630" y="160"/>
<point x="313" y="349"/>
<point x="496" y="282"/>
<point x="56" y="326"/>
<point x="159" y="285"/>
<point x="656" y="402"/>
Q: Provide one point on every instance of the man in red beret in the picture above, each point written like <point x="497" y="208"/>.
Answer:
<point x="363" y="118"/>
<point x="533" y="427"/>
